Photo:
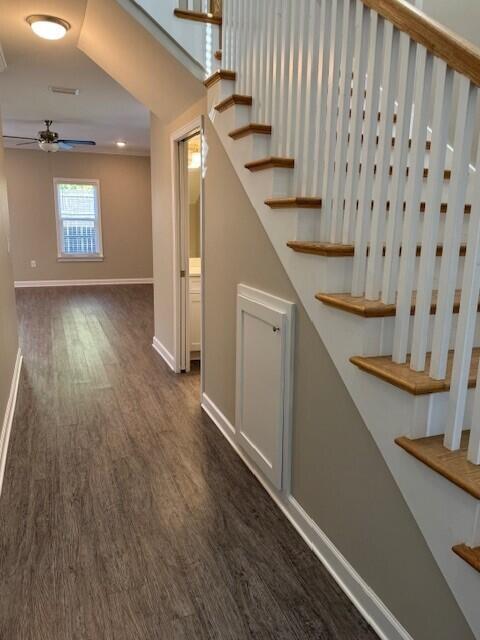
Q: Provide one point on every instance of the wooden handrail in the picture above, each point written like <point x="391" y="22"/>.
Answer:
<point x="459" y="54"/>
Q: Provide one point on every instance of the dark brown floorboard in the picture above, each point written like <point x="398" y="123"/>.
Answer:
<point x="125" y="515"/>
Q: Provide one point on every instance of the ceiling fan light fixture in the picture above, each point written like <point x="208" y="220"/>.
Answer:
<point x="49" y="147"/>
<point x="121" y="144"/>
<point x="48" y="27"/>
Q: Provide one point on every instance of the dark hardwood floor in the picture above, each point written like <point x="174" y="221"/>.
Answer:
<point x="125" y="515"/>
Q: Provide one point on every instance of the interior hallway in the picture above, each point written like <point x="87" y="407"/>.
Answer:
<point x="125" y="514"/>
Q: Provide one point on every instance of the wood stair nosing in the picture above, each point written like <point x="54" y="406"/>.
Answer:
<point x="414" y="382"/>
<point x="325" y="249"/>
<point x="294" y="202"/>
<point x="348" y="250"/>
<point x="452" y="465"/>
<point x="250" y="129"/>
<point x="272" y="162"/>
<point x="235" y="98"/>
<point x="198" y="16"/>
<point x="360" y="306"/>
<point x="219" y="74"/>
<point x="469" y="554"/>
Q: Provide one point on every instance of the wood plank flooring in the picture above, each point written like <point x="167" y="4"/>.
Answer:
<point x="125" y="515"/>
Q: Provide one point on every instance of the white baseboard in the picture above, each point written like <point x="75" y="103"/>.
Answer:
<point x="8" y="418"/>
<point x="164" y="352"/>
<point x="355" y="588"/>
<point x="21" y="284"/>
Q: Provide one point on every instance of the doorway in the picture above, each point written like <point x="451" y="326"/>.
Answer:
<point x="188" y="211"/>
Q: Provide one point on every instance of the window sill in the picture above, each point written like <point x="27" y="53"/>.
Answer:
<point x="80" y="259"/>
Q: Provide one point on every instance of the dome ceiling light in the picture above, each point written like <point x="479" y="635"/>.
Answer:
<point x="48" y="27"/>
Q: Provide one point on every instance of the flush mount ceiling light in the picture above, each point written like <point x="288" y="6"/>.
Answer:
<point x="48" y="27"/>
<point x="121" y="144"/>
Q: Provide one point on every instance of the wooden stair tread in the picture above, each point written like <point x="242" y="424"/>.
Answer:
<point x="294" y="202"/>
<point x="360" y="306"/>
<point x="219" y="74"/>
<point x="414" y="382"/>
<point x="198" y="16"/>
<point x="270" y="163"/>
<point x="346" y="250"/>
<point x="250" y="129"/>
<point x="452" y="465"/>
<point x="326" y="249"/>
<point x="469" y="554"/>
<point x="235" y="98"/>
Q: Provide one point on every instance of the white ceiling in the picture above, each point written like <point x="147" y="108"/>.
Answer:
<point x="103" y="111"/>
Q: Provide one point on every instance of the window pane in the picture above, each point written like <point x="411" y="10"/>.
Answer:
<point x="77" y="200"/>
<point x="77" y="213"/>
<point x="79" y="237"/>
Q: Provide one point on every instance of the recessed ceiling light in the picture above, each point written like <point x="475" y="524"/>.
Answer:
<point x="48" y="27"/>
<point x="121" y="144"/>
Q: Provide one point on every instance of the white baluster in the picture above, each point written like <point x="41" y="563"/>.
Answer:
<point x="326" y="185"/>
<point x="226" y="29"/>
<point x="275" y="117"/>
<point x="250" y="27"/>
<point x="362" y="226"/>
<point x="380" y="191"/>
<point x="423" y="87"/>
<point x="284" y="59"/>
<point x="322" y="98"/>
<point x="311" y="101"/>
<point x="362" y="33"/>
<point x="289" y="133"/>
<point x="465" y="121"/>
<point x="441" y="117"/>
<point x="400" y="156"/>
<point x="268" y="22"/>
<point x="467" y="321"/>
<point x="301" y="90"/>
<point x="257" y="60"/>
<point x="346" y="68"/>
<point x="242" y="35"/>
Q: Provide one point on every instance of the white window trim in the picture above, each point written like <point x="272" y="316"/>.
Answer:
<point x="71" y="257"/>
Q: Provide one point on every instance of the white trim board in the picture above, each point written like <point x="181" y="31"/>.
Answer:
<point x="9" y="414"/>
<point x="355" y="588"/>
<point x="162" y="350"/>
<point x="21" y="284"/>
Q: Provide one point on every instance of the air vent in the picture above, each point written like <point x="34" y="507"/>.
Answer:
<point x="65" y="90"/>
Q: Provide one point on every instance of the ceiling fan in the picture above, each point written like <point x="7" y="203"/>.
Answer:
<point x="49" y="141"/>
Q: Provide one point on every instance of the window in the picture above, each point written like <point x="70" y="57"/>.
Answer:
<point x="77" y="205"/>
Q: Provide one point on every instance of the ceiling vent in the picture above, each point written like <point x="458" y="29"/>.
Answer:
<point x="65" y="90"/>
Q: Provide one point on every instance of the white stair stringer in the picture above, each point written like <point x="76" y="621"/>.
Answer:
<point x="444" y="513"/>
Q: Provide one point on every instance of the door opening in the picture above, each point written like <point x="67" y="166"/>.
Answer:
<point x="188" y="249"/>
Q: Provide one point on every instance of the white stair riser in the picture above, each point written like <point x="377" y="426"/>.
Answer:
<point x="219" y="91"/>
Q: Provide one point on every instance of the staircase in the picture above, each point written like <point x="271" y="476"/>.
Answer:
<point x="337" y="116"/>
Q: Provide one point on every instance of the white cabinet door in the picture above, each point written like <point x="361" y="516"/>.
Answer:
<point x="263" y="390"/>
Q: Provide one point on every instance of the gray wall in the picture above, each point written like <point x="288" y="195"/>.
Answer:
<point x="339" y="476"/>
<point x="8" y="318"/>
<point x="463" y="17"/>
<point x="125" y="196"/>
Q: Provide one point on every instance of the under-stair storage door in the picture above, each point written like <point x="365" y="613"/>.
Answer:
<point x="265" y="332"/>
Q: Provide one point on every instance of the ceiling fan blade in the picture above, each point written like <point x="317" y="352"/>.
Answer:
<point x="22" y="138"/>
<point x="22" y="144"/>
<point x="64" y="145"/>
<point x="86" y="142"/>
